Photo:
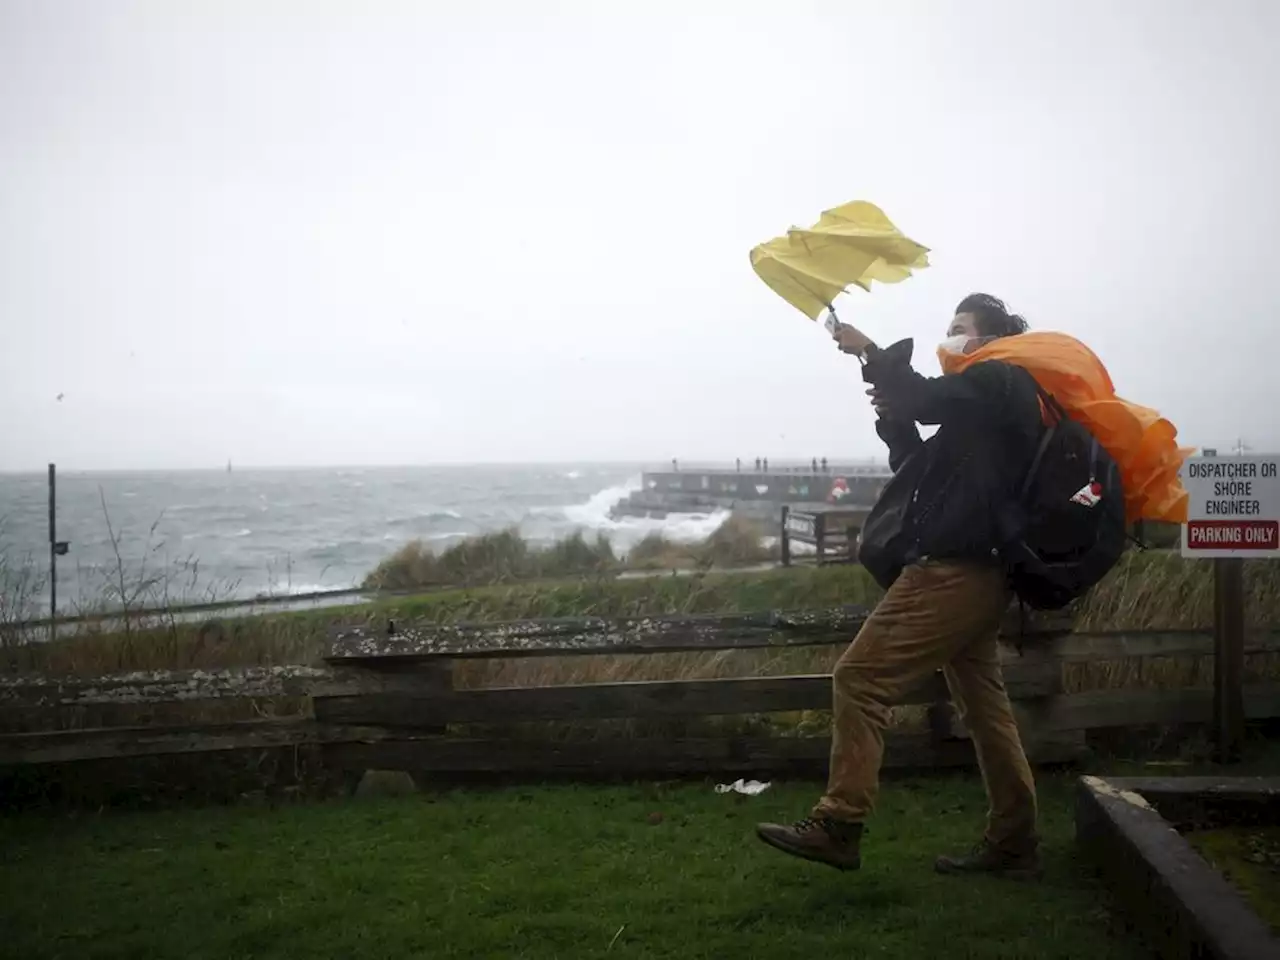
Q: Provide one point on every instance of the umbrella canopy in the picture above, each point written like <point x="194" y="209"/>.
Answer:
<point x="850" y="245"/>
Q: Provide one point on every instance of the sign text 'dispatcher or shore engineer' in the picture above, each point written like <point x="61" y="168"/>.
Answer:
<point x="1234" y="508"/>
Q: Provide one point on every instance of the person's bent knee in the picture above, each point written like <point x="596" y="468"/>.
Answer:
<point x="853" y="673"/>
<point x="861" y="683"/>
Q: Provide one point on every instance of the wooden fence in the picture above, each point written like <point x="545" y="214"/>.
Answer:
<point x="386" y="699"/>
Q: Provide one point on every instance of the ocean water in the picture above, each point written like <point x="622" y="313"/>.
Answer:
<point x="248" y="533"/>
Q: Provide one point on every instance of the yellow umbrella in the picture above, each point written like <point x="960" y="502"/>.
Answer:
<point x="850" y="245"/>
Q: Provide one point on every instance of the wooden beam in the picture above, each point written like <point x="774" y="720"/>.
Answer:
<point x="176" y="686"/>
<point x="154" y="686"/>
<point x="163" y="686"/>
<point x="1098" y="709"/>
<point x="351" y="678"/>
<point x="589" y="635"/>
<point x="584" y="635"/>
<point x="1049" y="723"/>
<point x="355" y="747"/>
<point x="1228" y="658"/>
<point x="720" y="757"/>
<point x="643" y="699"/>
<point x="1156" y="643"/>
<point x="64" y="746"/>
<point x="166" y="686"/>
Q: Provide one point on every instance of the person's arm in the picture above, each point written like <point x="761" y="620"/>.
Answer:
<point x="898" y="432"/>
<point x="980" y="393"/>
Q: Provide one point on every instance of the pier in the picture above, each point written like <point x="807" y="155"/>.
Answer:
<point x="760" y="494"/>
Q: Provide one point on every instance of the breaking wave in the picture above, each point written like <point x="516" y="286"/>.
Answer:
<point x="625" y="532"/>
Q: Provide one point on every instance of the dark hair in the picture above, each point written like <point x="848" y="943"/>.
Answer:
<point x="991" y="316"/>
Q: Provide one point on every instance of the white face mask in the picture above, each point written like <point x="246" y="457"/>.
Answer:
<point x="958" y="345"/>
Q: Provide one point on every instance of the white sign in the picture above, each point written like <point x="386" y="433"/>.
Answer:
<point x="801" y="525"/>
<point x="1234" y="508"/>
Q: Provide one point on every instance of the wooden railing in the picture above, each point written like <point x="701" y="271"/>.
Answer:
<point x="386" y="699"/>
<point x="832" y="532"/>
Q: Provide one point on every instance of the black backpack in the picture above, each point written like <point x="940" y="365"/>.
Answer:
<point x="1068" y="528"/>
<point x="884" y="543"/>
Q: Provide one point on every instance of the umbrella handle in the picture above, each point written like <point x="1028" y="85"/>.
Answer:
<point x="834" y="324"/>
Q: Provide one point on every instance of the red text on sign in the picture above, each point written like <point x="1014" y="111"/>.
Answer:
<point x="1233" y="534"/>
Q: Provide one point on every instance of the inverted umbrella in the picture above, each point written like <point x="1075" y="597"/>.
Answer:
<point x="850" y="245"/>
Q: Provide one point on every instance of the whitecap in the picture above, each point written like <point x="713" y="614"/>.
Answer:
<point x="427" y="513"/>
<point x="625" y="532"/>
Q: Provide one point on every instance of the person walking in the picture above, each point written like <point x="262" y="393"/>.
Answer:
<point x="943" y="609"/>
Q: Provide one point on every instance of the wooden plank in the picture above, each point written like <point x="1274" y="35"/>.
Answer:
<point x="23" y="719"/>
<point x="1045" y="724"/>
<point x="378" y="748"/>
<point x="593" y="635"/>
<point x="1034" y="629"/>
<point x="1101" y="709"/>
<point x="1123" y="708"/>
<point x="720" y="757"/>
<point x="155" y="686"/>
<point x="430" y="677"/>
<point x="680" y="698"/>
<point x="69" y="745"/>
<point x="590" y="635"/>
<point x="1228" y="658"/>
<point x="644" y="699"/>
<point x="169" y="686"/>
<point x="211" y="697"/>
<point x="1156" y="643"/>
<point x="354" y="678"/>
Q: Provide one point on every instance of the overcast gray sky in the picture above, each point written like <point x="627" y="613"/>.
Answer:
<point x="390" y="233"/>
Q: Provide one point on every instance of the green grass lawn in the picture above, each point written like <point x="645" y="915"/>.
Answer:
<point x="556" y="871"/>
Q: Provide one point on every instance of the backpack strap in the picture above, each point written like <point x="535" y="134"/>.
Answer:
<point x="1043" y="446"/>
<point x="1050" y="401"/>
<point x="1052" y="405"/>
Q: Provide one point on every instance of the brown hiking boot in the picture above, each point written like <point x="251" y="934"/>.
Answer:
<point x="1014" y="862"/>
<point x="832" y="842"/>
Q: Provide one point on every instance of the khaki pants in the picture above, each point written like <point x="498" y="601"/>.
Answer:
<point x="937" y="615"/>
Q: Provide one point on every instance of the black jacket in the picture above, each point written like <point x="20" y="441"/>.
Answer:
<point x="950" y="492"/>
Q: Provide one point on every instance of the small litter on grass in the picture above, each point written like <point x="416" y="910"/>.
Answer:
<point x="749" y="787"/>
